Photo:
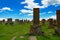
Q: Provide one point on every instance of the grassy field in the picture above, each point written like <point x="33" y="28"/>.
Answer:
<point x="7" y="32"/>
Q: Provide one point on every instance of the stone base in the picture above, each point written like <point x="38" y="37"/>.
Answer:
<point x="36" y="30"/>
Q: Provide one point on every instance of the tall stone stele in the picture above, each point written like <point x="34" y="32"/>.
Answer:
<point x="57" y="31"/>
<point x="58" y="17"/>
<point x="35" y="28"/>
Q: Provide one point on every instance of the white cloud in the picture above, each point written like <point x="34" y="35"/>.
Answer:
<point x="42" y="13"/>
<point x="29" y="19"/>
<point x="26" y="11"/>
<point x="31" y="4"/>
<point x="1" y="19"/>
<point x="53" y="16"/>
<point x="5" y="8"/>
<point x="47" y="3"/>
<point x="50" y="12"/>
<point x="31" y="14"/>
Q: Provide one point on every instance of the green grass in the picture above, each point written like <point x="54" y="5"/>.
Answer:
<point x="7" y="32"/>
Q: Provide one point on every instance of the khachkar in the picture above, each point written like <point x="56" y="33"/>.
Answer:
<point x="36" y="16"/>
<point x="9" y="20"/>
<point x="57" y="31"/>
<point x="35" y="28"/>
<point x="58" y="17"/>
<point x="51" y="23"/>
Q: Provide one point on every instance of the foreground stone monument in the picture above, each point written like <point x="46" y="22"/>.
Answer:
<point x="57" y="31"/>
<point x="35" y="28"/>
<point x="36" y="16"/>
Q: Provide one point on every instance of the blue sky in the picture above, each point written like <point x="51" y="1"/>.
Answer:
<point x="22" y="9"/>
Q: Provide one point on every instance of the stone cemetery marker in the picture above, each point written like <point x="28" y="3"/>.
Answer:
<point x="9" y="21"/>
<point x="57" y="31"/>
<point x="51" y="25"/>
<point x="55" y="22"/>
<point x="58" y="17"/>
<point x="36" y="16"/>
<point x="17" y="21"/>
<point x="3" y="21"/>
<point x="35" y="28"/>
<point x="25" y="20"/>
<point x="43" y="21"/>
<point x="21" y="21"/>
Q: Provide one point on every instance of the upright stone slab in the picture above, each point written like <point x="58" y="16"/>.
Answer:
<point x="35" y="28"/>
<point x="58" y="17"/>
<point x="9" y="21"/>
<point x="51" y="25"/>
<point x="21" y="21"/>
<point x="3" y="21"/>
<point x="36" y="16"/>
<point x="57" y="31"/>
<point x="43" y="21"/>
<point x="55" y="22"/>
<point x="17" y="21"/>
<point x="25" y="20"/>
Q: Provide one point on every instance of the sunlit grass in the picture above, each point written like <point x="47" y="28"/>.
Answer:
<point x="7" y="32"/>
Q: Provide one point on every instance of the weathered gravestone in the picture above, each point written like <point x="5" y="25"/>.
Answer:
<point x="21" y="21"/>
<point x="55" y="22"/>
<point x="35" y="28"/>
<point x="17" y="21"/>
<point x="26" y="21"/>
<point x="51" y="25"/>
<point x="3" y="21"/>
<point x="58" y="18"/>
<point x="43" y="21"/>
<point x="9" y="21"/>
<point x="57" y="31"/>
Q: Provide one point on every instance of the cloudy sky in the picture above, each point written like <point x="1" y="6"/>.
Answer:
<point x="22" y="9"/>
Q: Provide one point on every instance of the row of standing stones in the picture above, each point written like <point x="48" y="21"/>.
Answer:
<point x="10" y="21"/>
<point x="36" y="28"/>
